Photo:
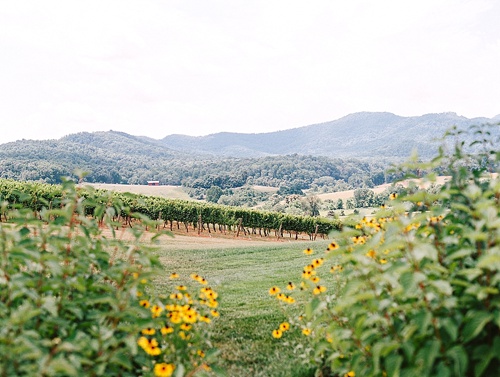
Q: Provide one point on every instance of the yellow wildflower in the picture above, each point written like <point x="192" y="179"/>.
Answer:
<point x="277" y="334"/>
<point x="164" y="370"/>
<point x="284" y="326"/>
<point x="308" y="251"/>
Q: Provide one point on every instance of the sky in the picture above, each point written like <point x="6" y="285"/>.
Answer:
<point x="196" y="67"/>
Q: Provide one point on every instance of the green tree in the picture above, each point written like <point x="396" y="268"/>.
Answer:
<point x="213" y="194"/>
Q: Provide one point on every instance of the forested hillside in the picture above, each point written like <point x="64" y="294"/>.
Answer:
<point x="114" y="157"/>
<point x="349" y="153"/>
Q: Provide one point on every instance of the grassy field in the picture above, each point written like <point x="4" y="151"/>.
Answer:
<point x="172" y="192"/>
<point x="242" y="272"/>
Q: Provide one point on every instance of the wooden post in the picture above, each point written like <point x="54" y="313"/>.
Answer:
<point x="316" y="232"/>
<point x="239" y="226"/>
<point x="279" y="232"/>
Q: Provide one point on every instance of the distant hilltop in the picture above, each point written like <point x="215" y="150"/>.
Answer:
<point x="358" y="135"/>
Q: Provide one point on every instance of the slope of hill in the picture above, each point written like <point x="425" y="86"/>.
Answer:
<point x="357" y="135"/>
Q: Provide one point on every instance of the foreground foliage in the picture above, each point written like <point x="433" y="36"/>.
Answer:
<point x="76" y="301"/>
<point x="417" y="287"/>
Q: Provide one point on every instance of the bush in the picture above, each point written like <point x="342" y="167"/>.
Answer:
<point x="415" y="290"/>
<point x="74" y="299"/>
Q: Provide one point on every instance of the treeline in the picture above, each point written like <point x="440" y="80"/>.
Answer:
<point x="114" y="157"/>
<point x="125" y="207"/>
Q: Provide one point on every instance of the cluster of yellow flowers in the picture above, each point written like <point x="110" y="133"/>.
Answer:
<point x="180" y="316"/>
<point x="278" y="333"/>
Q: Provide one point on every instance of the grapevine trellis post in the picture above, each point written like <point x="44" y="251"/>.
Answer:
<point x="240" y="220"/>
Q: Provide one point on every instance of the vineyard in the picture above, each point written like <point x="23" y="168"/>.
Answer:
<point x="169" y="213"/>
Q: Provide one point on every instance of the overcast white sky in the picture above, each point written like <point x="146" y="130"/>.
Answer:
<point x="159" y="67"/>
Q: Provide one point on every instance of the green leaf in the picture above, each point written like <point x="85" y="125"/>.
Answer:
<point x="443" y="370"/>
<point x="427" y="354"/>
<point x="460" y="360"/>
<point x="218" y="371"/>
<point x="474" y="324"/>
<point x="442" y="286"/>
<point x="425" y="250"/>
<point x="451" y="328"/>
<point x="489" y="262"/>
<point x="483" y="356"/>
<point x="393" y="365"/>
<point x="50" y="304"/>
<point x="61" y="366"/>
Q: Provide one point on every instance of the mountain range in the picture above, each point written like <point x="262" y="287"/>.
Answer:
<point x="357" y="135"/>
<point x="359" y="144"/>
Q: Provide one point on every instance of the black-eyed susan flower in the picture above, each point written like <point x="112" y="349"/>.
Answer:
<point x="308" y="251"/>
<point x="359" y="240"/>
<point x="205" y="318"/>
<point x="290" y="300"/>
<point x="181" y="288"/>
<point x="156" y="311"/>
<point x="186" y="327"/>
<point x="200" y="353"/>
<point x="290" y="286"/>
<point x="148" y="331"/>
<point x="336" y="268"/>
<point x="274" y="290"/>
<point x="166" y="330"/>
<point x="383" y="261"/>
<point x="350" y="374"/>
<point x="144" y="303"/>
<point x="371" y="253"/>
<point x="214" y="313"/>
<point x="284" y="326"/>
<point x="277" y="333"/>
<point x="392" y="197"/>
<point x="164" y="370"/>
<point x="317" y="262"/>
<point x="281" y="296"/>
<point x="135" y="275"/>
<point x="315" y="279"/>
<point x="143" y="342"/>
<point x="319" y="289"/>
<point x="183" y="335"/>
<point x="174" y="275"/>
<point x="306" y="331"/>
<point x="333" y="246"/>
<point x="176" y="296"/>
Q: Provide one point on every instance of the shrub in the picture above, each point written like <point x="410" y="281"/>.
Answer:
<point x="71" y="294"/>
<point x="415" y="290"/>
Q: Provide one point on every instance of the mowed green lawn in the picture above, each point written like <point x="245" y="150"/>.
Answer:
<point x="242" y="275"/>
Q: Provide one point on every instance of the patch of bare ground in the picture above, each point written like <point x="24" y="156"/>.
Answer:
<point x="180" y="239"/>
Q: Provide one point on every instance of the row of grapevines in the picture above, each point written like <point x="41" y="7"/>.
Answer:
<point x="37" y="196"/>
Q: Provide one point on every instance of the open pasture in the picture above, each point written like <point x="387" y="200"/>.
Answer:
<point x="242" y="272"/>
